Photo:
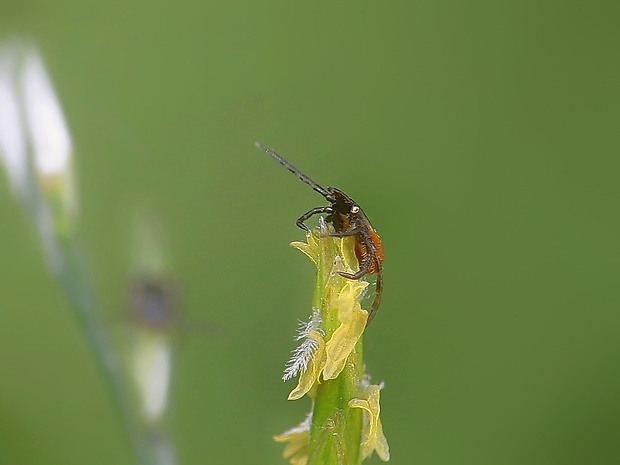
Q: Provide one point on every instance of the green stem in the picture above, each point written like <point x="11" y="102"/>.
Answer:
<point x="81" y="300"/>
<point x="335" y="432"/>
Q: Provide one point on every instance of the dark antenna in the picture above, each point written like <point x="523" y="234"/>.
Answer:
<point x="299" y="174"/>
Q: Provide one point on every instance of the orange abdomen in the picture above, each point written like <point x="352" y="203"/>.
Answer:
<point x="361" y="252"/>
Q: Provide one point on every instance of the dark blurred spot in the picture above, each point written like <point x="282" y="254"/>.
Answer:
<point x="154" y="303"/>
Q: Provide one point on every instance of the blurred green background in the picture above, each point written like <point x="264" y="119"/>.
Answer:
<point x="482" y="140"/>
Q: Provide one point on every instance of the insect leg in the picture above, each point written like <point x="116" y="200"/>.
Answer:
<point x="364" y="266"/>
<point x="315" y="211"/>
<point x="378" y="294"/>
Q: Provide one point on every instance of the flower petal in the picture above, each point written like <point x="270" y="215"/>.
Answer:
<point x="352" y="324"/>
<point x="373" y="438"/>
<point x="310" y="248"/>
<point x="297" y="439"/>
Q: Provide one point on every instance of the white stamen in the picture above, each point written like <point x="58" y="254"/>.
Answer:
<point x="306" y="350"/>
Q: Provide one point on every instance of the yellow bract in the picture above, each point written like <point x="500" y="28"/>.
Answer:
<point x="330" y="358"/>
<point x="297" y="439"/>
<point x="372" y="435"/>
<point x="352" y="324"/>
<point x="310" y="248"/>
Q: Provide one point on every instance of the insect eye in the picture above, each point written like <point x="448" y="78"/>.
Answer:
<point x="355" y="209"/>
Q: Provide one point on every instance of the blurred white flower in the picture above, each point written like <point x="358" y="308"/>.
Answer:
<point x="151" y="364"/>
<point x="35" y="145"/>
<point x="48" y="130"/>
<point x="12" y="137"/>
<point x="154" y="314"/>
<point x="50" y="140"/>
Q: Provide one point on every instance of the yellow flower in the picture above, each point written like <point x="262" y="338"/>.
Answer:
<point x="330" y="358"/>
<point x="297" y="439"/>
<point x="311" y="248"/>
<point x="329" y="364"/>
<point x="342" y="300"/>
<point x="372" y="435"/>
<point x="352" y="324"/>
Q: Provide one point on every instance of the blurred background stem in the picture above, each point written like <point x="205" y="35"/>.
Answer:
<point x="37" y="152"/>
<point x="74" y="283"/>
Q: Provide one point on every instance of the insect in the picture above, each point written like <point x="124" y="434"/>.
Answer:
<point x="348" y="219"/>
